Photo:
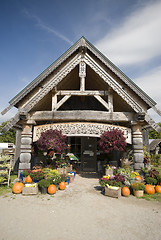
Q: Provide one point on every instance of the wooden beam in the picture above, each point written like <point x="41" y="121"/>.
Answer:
<point x="82" y="84"/>
<point x="102" y="101"/>
<point x="54" y="102"/>
<point x="110" y="100"/>
<point x="85" y="115"/>
<point x="63" y="100"/>
<point x="82" y="93"/>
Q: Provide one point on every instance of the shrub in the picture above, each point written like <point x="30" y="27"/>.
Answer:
<point x="112" y="141"/>
<point x="150" y="180"/>
<point x="52" y="140"/>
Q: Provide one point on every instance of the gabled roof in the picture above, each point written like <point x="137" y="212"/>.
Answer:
<point x="82" y="42"/>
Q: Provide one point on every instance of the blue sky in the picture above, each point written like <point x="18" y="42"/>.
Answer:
<point x="34" y="33"/>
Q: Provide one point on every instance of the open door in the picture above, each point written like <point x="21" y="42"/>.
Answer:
<point x="89" y="147"/>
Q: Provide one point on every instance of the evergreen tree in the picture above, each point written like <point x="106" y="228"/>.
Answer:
<point x="154" y="134"/>
<point x="9" y="136"/>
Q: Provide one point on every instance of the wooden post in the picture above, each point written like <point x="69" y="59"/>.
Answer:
<point x="137" y="147"/>
<point x="26" y="145"/>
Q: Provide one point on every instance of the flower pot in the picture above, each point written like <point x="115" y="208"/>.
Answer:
<point x="44" y="190"/>
<point x="138" y="193"/>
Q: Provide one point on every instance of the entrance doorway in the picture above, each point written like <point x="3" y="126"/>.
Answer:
<point x="85" y="149"/>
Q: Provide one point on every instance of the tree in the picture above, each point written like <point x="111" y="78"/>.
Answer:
<point x="9" y="136"/>
<point x="154" y="134"/>
<point x="113" y="140"/>
<point x="52" y="140"/>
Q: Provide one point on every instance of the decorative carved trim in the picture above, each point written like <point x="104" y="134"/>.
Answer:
<point x="82" y="69"/>
<point x="81" y="129"/>
<point x="112" y="83"/>
<point x="52" y="83"/>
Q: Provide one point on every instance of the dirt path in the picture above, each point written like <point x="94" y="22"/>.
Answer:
<point x="79" y="212"/>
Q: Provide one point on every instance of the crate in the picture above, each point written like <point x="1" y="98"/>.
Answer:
<point x="30" y="190"/>
<point x="112" y="192"/>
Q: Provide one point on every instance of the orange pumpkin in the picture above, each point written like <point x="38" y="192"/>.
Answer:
<point x="137" y="177"/>
<point x="70" y="179"/>
<point x="125" y="191"/>
<point x="52" y="189"/>
<point x="149" y="189"/>
<point x="158" y="189"/>
<point x="17" y="187"/>
<point x="28" y="179"/>
<point x="62" y="185"/>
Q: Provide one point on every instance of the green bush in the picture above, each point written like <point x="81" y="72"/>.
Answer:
<point x="150" y="180"/>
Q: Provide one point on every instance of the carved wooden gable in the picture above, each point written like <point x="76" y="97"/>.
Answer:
<point x="81" y="79"/>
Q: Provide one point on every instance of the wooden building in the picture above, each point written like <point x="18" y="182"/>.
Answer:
<point x="82" y="94"/>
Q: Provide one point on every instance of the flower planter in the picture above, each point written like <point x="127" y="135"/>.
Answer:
<point x="30" y="190"/>
<point x="112" y="192"/>
<point x="138" y="193"/>
<point x="109" y="172"/>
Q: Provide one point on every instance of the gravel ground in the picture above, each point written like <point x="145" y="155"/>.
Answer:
<point x="79" y="212"/>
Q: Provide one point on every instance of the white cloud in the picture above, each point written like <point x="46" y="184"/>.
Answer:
<point x="137" y="39"/>
<point x="150" y="83"/>
<point x="42" y="25"/>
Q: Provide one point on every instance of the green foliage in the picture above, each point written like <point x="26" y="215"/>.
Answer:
<point x="9" y="136"/>
<point x="150" y="180"/>
<point x="155" y="159"/>
<point x="154" y="134"/>
<point x="138" y="186"/>
<point x="44" y="183"/>
<point x="146" y="155"/>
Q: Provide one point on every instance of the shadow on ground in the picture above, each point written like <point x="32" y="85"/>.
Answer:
<point x="89" y="175"/>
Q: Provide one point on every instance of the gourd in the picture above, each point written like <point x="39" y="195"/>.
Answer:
<point x="17" y="187"/>
<point x="62" y="185"/>
<point x="28" y="179"/>
<point x="149" y="189"/>
<point x="125" y="191"/>
<point x="158" y="189"/>
<point x="52" y="189"/>
<point x="137" y="177"/>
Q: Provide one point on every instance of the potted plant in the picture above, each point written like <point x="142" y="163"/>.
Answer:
<point x="43" y="185"/>
<point x="113" y="187"/>
<point x="37" y="176"/>
<point x="55" y="179"/>
<point x="138" y="189"/>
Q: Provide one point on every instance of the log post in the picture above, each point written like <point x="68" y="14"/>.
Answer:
<point x="26" y="145"/>
<point x="137" y="147"/>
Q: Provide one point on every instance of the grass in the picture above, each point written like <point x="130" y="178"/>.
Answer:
<point x="155" y="196"/>
<point x="4" y="188"/>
